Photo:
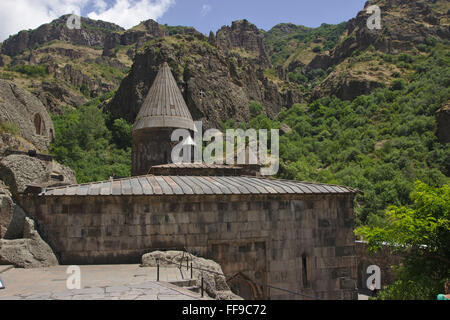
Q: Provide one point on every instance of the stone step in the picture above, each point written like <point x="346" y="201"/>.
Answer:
<point x="195" y="289"/>
<point x="4" y="268"/>
<point x="185" y="283"/>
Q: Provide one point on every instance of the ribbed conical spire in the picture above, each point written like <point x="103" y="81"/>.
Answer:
<point x="164" y="106"/>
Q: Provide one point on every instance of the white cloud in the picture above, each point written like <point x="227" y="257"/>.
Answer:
<point x="16" y="15"/>
<point x="206" y="8"/>
<point x="127" y="13"/>
<point x="100" y="5"/>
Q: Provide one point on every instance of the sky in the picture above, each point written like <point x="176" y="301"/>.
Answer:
<point x="204" y="15"/>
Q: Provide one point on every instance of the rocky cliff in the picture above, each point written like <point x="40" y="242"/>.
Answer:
<point x="405" y="26"/>
<point x="63" y="66"/>
<point x="243" y="35"/>
<point x="25" y="115"/>
<point x="92" y="33"/>
<point x="218" y="80"/>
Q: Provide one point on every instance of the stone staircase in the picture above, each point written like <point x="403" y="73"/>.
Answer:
<point x="189" y="284"/>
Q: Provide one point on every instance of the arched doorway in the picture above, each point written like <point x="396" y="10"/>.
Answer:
<point x="244" y="287"/>
<point x="38" y="123"/>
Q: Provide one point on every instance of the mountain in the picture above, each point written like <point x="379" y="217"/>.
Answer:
<point x="361" y="107"/>
<point x="219" y="75"/>
<point x="63" y="66"/>
<point x="361" y="60"/>
<point x="286" y="65"/>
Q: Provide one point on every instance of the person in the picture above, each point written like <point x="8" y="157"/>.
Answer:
<point x="373" y="289"/>
<point x="445" y="296"/>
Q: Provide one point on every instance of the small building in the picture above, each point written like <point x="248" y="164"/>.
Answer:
<point x="275" y="239"/>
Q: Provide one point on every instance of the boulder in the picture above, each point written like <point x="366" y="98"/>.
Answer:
<point x="13" y="142"/>
<point x="29" y="252"/>
<point x="6" y="209"/>
<point x="16" y="224"/>
<point x="214" y="280"/>
<point x="26" y="113"/>
<point x="285" y="129"/>
<point x="18" y="171"/>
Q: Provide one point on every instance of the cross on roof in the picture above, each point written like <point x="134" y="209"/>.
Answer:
<point x="202" y="93"/>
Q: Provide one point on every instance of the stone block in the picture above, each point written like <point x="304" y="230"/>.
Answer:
<point x="341" y="272"/>
<point x="191" y="207"/>
<point x="181" y="217"/>
<point x="347" y="284"/>
<point x="345" y="251"/>
<point x="91" y="244"/>
<point x="76" y="244"/>
<point x="255" y="216"/>
<point x="286" y="215"/>
<point x="207" y="217"/>
<point x="134" y="230"/>
<point x="74" y="231"/>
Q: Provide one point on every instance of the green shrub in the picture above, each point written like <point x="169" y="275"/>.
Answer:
<point x="255" y="109"/>
<point x="85" y="90"/>
<point x="422" y="47"/>
<point x="398" y="84"/>
<point x="30" y="70"/>
<point x="405" y="58"/>
<point x="8" y="127"/>
<point x="317" y="49"/>
<point x="297" y="77"/>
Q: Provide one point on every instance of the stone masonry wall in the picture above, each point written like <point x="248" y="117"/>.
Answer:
<point x="300" y="243"/>
<point x="150" y="148"/>
<point x="385" y="258"/>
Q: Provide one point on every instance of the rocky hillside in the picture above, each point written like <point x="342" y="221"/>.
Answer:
<point x="362" y="59"/>
<point x="219" y="76"/>
<point x="285" y="65"/>
<point x="104" y="68"/>
<point x="63" y="66"/>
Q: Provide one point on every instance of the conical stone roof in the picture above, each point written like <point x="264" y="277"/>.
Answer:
<point x="164" y="106"/>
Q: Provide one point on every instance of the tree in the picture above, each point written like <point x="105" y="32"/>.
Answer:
<point x="317" y="49"/>
<point x="422" y="233"/>
<point x="255" y="109"/>
<point x="121" y="131"/>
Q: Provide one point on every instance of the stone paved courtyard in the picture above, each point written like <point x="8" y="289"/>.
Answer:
<point x="105" y="282"/>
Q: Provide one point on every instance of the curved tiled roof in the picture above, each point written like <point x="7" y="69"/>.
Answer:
<point x="164" y="106"/>
<point x="195" y="185"/>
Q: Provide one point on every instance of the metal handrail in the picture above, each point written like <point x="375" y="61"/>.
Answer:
<point x="223" y="275"/>
<point x="202" y="278"/>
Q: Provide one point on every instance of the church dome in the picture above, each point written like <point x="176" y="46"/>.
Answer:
<point x="164" y="106"/>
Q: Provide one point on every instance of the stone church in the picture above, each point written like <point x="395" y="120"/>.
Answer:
<point x="272" y="237"/>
